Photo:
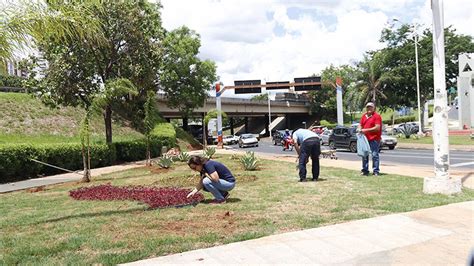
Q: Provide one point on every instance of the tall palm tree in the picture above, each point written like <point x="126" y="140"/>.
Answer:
<point x="25" y="23"/>
<point x="372" y="78"/>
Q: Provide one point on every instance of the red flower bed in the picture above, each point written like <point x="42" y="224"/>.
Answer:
<point x="153" y="196"/>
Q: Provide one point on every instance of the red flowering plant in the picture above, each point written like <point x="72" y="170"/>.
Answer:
<point x="155" y="197"/>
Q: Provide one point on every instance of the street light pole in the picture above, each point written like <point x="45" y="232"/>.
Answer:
<point x="417" y="80"/>
<point x="441" y="182"/>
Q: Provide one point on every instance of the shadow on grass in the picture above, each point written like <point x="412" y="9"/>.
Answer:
<point x="229" y="200"/>
<point x="93" y="214"/>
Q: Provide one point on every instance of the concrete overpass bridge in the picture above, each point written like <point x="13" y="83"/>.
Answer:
<point x="240" y="107"/>
<point x="285" y="113"/>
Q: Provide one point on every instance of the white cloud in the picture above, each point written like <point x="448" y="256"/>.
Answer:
<point x="240" y="35"/>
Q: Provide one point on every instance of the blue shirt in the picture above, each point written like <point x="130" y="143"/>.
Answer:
<point x="223" y="172"/>
<point x="301" y="135"/>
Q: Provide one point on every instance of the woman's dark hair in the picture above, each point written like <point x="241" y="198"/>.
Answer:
<point x="197" y="160"/>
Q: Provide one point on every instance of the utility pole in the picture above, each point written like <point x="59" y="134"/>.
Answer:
<point x="415" y="35"/>
<point x="220" y="144"/>
<point x="340" y="113"/>
<point x="441" y="182"/>
<point x="269" y="115"/>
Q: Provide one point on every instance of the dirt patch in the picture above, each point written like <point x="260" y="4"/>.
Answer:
<point x="157" y="170"/>
<point x="36" y="189"/>
<point x="246" y="178"/>
<point x="226" y="220"/>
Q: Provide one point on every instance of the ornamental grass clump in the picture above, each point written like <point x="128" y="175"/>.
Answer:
<point x="249" y="161"/>
<point x="165" y="161"/>
<point x="209" y="152"/>
<point x="154" y="197"/>
<point x="183" y="157"/>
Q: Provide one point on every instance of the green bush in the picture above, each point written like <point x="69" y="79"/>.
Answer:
<point x="400" y="120"/>
<point x="11" y="81"/>
<point x="15" y="163"/>
<point x="327" y="124"/>
<point x="164" y="134"/>
<point x="135" y="150"/>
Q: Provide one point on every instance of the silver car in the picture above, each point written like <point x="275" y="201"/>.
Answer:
<point x="324" y="137"/>
<point x="388" y="141"/>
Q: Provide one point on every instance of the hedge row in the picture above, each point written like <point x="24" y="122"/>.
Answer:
<point x="15" y="163"/>
<point x="400" y="120"/>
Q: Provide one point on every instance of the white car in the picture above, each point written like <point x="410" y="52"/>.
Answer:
<point x="388" y="141"/>
<point x="248" y="140"/>
<point x="229" y="140"/>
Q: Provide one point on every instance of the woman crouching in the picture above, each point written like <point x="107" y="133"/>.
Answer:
<point x="215" y="178"/>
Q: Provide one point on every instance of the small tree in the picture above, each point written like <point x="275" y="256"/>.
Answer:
<point x="151" y="118"/>
<point x="85" y="145"/>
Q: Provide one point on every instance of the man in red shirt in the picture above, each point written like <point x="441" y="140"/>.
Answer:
<point x="371" y="126"/>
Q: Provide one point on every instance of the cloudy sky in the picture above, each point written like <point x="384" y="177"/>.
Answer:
<point x="275" y="40"/>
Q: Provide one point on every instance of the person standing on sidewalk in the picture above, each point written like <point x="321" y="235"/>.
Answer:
<point x="215" y="178"/>
<point x="371" y="126"/>
<point x="307" y="145"/>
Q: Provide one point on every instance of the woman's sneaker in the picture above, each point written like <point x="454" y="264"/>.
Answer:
<point x="225" y="194"/>
<point x="216" y="201"/>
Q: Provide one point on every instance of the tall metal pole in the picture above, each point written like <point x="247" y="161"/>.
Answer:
<point x="269" y="115"/>
<point x="441" y="183"/>
<point x="417" y="81"/>
<point x="219" y="115"/>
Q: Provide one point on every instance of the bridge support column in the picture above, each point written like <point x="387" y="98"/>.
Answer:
<point x="168" y="120"/>
<point x="246" y="119"/>
<point x="231" y="122"/>
<point x="185" y="123"/>
<point x="267" y="127"/>
<point x="287" y="121"/>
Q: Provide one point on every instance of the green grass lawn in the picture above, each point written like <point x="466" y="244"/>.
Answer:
<point x="50" y="228"/>
<point x="453" y="140"/>
<point x="24" y="118"/>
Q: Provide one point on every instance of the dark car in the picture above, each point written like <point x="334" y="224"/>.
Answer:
<point x="277" y="136"/>
<point x="343" y="138"/>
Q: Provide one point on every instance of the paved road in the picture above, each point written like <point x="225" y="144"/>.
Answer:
<point x="460" y="160"/>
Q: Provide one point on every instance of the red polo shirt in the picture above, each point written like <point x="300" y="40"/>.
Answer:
<point x="369" y="122"/>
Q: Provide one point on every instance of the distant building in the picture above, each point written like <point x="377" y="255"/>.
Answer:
<point x="11" y="68"/>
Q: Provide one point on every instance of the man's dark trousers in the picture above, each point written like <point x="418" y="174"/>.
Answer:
<point x="310" y="148"/>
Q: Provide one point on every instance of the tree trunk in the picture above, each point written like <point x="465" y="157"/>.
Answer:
<point x="108" y="124"/>
<point x="148" y="152"/>
<point x="86" y="161"/>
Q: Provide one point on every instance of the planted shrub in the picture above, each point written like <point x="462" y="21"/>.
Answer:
<point x="165" y="161"/>
<point x="407" y="130"/>
<point x="249" y="161"/>
<point x="154" y="197"/>
<point x="183" y="157"/>
<point x="209" y="152"/>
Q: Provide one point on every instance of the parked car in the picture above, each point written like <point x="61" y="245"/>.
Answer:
<point x="247" y="140"/>
<point x="344" y="138"/>
<point x="388" y="141"/>
<point x="230" y="139"/>
<point x="277" y="137"/>
<point x="324" y="137"/>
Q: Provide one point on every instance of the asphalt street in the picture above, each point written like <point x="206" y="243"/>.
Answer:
<point x="459" y="160"/>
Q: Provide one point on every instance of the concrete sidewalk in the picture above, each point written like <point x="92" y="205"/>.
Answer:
<point x="436" y="236"/>
<point x="62" y="178"/>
